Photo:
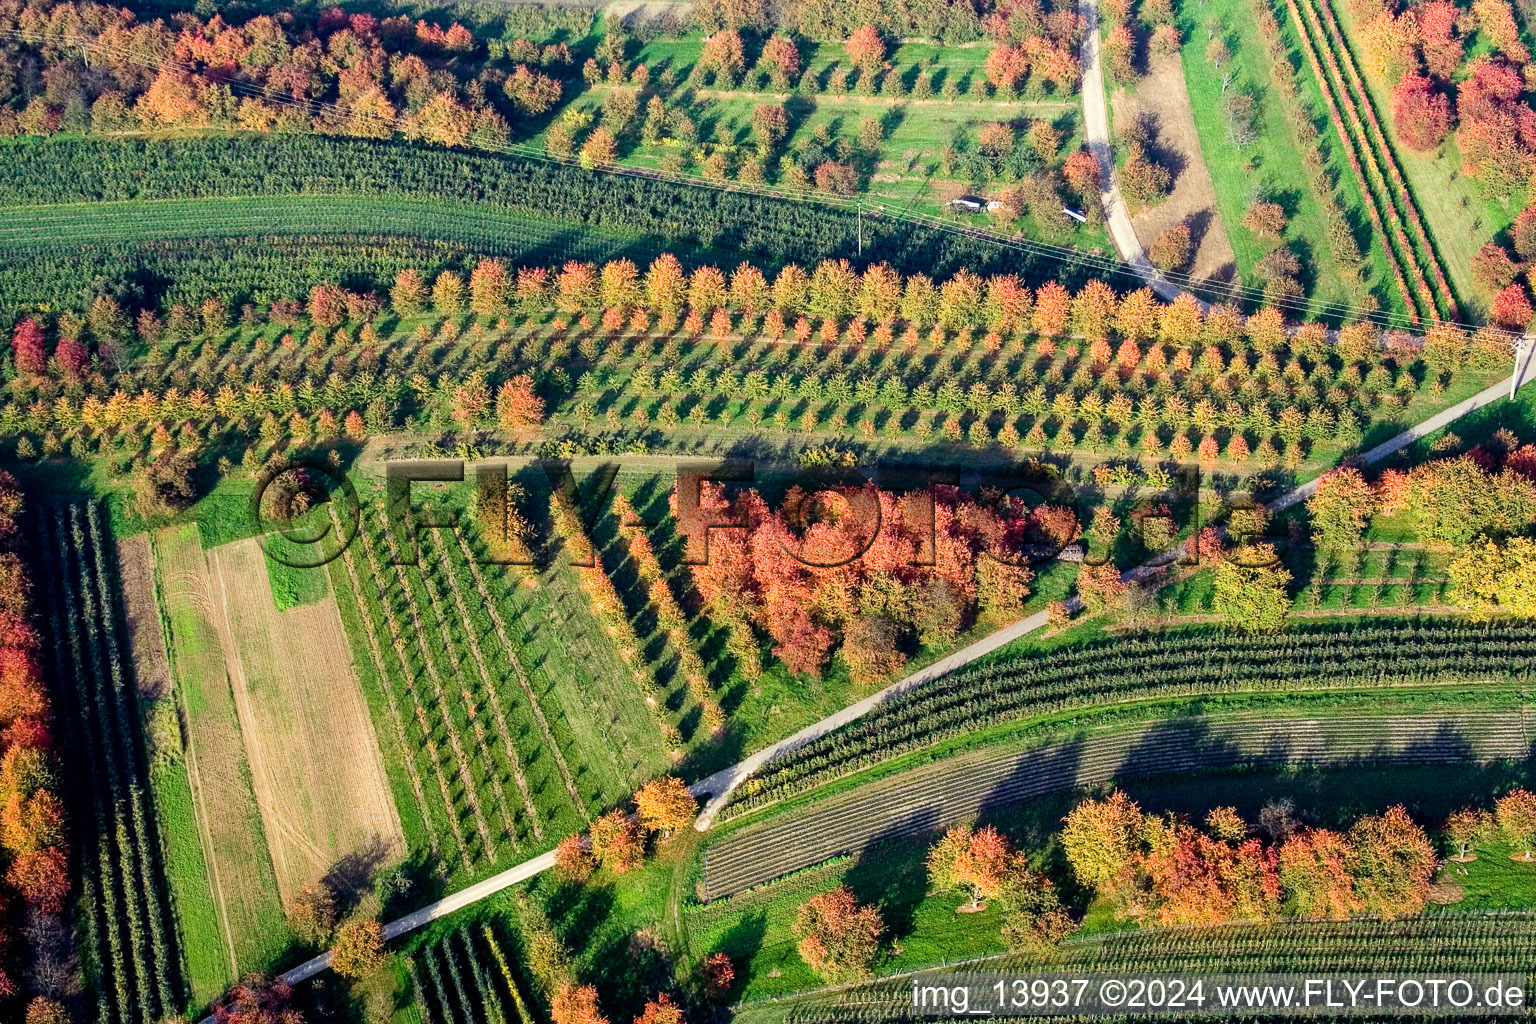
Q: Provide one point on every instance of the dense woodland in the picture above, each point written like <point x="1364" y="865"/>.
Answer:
<point x="867" y="588"/>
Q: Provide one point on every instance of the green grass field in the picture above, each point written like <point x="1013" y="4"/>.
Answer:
<point x="1272" y="162"/>
<point x="250" y="921"/>
<point x="197" y="920"/>
<point x="293" y="587"/>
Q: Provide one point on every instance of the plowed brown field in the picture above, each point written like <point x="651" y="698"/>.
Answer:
<point x="315" y="762"/>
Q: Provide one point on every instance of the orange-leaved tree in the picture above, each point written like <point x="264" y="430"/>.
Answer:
<point x="839" y="937"/>
<point x="664" y="805"/>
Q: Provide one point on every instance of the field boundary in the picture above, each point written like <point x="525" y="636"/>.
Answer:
<point x="189" y="753"/>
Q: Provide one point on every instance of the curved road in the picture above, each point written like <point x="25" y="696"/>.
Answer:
<point x="716" y="789"/>
<point x="1117" y="218"/>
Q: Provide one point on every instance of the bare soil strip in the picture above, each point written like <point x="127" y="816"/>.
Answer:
<point x="315" y="763"/>
<point x="1162" y="94"/>
<point x="136" y="568"/>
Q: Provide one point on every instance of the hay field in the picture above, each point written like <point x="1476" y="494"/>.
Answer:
<point x="239" y="866"/>
<point x="315" y="763"/>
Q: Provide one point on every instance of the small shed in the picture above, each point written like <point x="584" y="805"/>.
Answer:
<point x="967" y="204"/>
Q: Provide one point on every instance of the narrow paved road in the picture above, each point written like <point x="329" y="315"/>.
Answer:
<point x="1117" y="217"/>
<point x="718" y="787"/>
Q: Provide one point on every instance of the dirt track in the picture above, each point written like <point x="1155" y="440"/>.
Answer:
<point x="315" y="763"/>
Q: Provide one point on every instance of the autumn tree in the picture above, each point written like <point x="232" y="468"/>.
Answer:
<point x="1143" y="180"/>
<point x="573" y="861"/>
<point x="1102" y="840"/>
<point x="1340" y="508"/>
<point x="781" y="61"/>
<point x="1464" y="829"/>
<point x="661" y="1010"/>
<point x="1250" y="589"/>
<point x="163" y="485"/>
<point x="599" y="149"/>
<point x="666" y="284"/>
<point x="839" y="938"/>
<point x="1388" y="41"/>
<point x="1511" y="308"/>
<point x="576" y="1004"/>
<point x="1100" y="587"/>
<point x="42" y="879"/>
<point x="109" y="323"/>
<point x="1454" y="501"/>
<point x="409" y="293"/>
<point x="1170" y="250"/>
<point x="1421" y="113"/>
<point x="1034" y="920"/>
<point x="718" y="975"/>
<point x="769" y="124"/>
<point x="1496" y="129"/>
<point x="664" y="805"/>
<point x="616" y="842"/>
<point x="1315" y="873"/>
<point x="27" y="346"/>
<point x="839" y="179"/>
<point x="976" y="860"/>
<point x="1515" y="813"/>
<point x="1392" y="862"/>
<point x="1523" y="233"/>
<point x="43" y="1010"/>
<point x="1265" y="219"/>
<point x="870" y="648"/>
<point x="865" y="49"/>
<point x="359" y="949"/>
<point x="1440" y="43"/>
<point x="257" y="1000"/>
<point x="1492" y="577"/>
<point x="1006" y="67"/>
<point x="448" y="293"/>
<point x="532" y="92"/>
<point x="489" y="286"/>
<point x="1494" y="267"/>
<point x="518" y="406"/>
<point x="1120" y="54"/>
<point x="312" y="912"/>
<point x="1194" y="878"/>
<point x="723" y="55"/>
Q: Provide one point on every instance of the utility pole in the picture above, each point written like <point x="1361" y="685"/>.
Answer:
<point x="1522" y="358"/>
<point x="858" y="216"/>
